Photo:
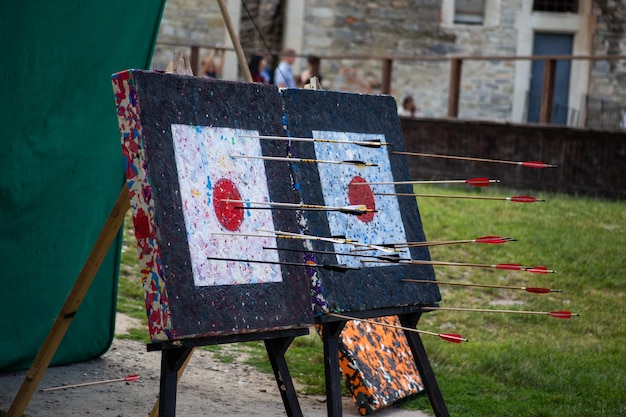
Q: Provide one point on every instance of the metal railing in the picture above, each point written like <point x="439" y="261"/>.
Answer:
<point x="546" y="106"/>
<point x="605" y="114"/>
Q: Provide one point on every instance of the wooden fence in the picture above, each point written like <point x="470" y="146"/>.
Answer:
<point x="456" y="70"/>
<point x="590" y="162"/>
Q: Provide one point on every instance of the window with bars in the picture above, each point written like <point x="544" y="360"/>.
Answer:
<point x="559" y="6"/>
<point x="469" y="12"/>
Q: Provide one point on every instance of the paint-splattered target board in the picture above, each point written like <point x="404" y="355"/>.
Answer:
<point x="178" y="137"/>
<point x="335" y="120"/>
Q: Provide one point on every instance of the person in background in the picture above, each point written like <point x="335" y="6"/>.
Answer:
<point x="312" y="70"/>
<point x="257" y="68"/>
<point x="266" y="73"/>
<point x="209" y="68"/>
<point x="283" y="75"/>
<point x="408" y="108"/>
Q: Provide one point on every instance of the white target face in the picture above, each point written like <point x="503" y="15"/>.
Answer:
<point x="340" y="188"/>
<point x="207" y="176"/>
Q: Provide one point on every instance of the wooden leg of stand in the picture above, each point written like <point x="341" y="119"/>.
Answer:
<point x="155" y="408"/>
<point x="423" y="366"/>
<point x="276" y="349"/>
<point x="330" y="338"/>
<point x="171" y="362"/>
<point x="72" y="303"/>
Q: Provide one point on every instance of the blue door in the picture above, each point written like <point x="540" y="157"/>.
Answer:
<point x="550" y="44"/>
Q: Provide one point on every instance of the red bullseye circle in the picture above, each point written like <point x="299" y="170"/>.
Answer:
<point x="227" y="213"/>
<point x="362" y="194"/>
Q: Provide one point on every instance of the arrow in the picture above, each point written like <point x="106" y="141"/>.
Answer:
<point x="338" y="268"/>
<point x="515" y="199"/>
<point x="509" y="267"/>
<point x="450" y="337"/>
<point x="477" y="182"/>
<point x="491" y="240"/>
<point x="356" y="209"/>
<point x="375" y="143"/>
<point x="527" y="164"/>
<point x="314" y="161"/>
<point x="339" y="240"/>
<point x="559" y="314"/>
<point x="534" y="290"/>
<point x="129" y="378"/>
<point x="389" y="258"/>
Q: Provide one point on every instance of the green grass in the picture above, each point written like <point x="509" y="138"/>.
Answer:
<point x="515" y="365"/>
<point x="305" y="357"/>
<point x="532" y="365"/>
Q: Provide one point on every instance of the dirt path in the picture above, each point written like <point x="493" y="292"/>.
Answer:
<point x="208" y="387"/>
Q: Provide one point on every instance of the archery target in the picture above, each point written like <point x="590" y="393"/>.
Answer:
<point x="207" y="176"/>
<point x="344" y="185"/>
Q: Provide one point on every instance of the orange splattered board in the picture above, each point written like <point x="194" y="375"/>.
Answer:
<point x="377" y="364"/>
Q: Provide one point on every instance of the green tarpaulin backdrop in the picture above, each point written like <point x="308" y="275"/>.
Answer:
<point x="61" y="164"/>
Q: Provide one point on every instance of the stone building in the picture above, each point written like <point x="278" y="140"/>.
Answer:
<point x="353" y="37"/>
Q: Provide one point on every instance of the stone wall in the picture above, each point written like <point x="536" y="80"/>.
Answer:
<point x="337" y="28"/>
<point x="609" y="77"/>
<point x="185" y="22"/>
<point x="606" y="107"/>
<point x="382" y="28"/>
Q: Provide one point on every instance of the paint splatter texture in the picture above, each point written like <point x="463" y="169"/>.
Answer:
<point x="377" y="364"/>
<point x="178" y="134"/>
<point x="343" y="185"/>
<point x="208" y="175"/>
<point x="339" y="122"/>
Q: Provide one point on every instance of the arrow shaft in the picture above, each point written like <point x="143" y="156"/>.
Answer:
<point x="328" y="253"/>
<point x="509" y="267"/>
<point x="530" y="164"/>
<point x="257" y="261"/>
<point x="393" y="326"/>
<point x="85" y="384"/>
<point x="303" y="206"/>
<point x="517" y="199"/>
<point x="438" y="263"/>
<point x="460" y="284"/>
<point x="377" y="143"/>
<point x="465" y="284"/>
<point x="326" y="239"/>
<point x="442" y="196"/>
<point x="460" y="158"/>
<point x="469" y="181"/>
<point x="487" y="310"/>
<point x="285" y="159"/>
<point x="307" y="160"/>
<point x="433" y="243"/>
<point x="484" y="239"/>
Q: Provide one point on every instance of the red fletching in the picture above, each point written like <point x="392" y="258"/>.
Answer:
<point x="491" y="239"/>
<point x="510" y="267"/>
<point x="478" y="182"/>
<point x="451" y="337"/>
<point x="536" y="164"/>
<point x="561" y="314"/>
<point x="537" y="290"/>
<point x="523" y="199"/>
<point x="132" y="378"/>
<point x="539" y="270"/>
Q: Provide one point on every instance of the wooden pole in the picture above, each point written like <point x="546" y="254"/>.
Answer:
<point x="243" y="63"/>
<point x="547" y="91"/>
<point x="454" y="90"/>
<point x="72" y="303"/>
<point x="385" y="87"/>
<point x="195" y="59"/>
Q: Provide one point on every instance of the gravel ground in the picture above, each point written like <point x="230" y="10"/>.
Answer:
<point x="208" y="387"/>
